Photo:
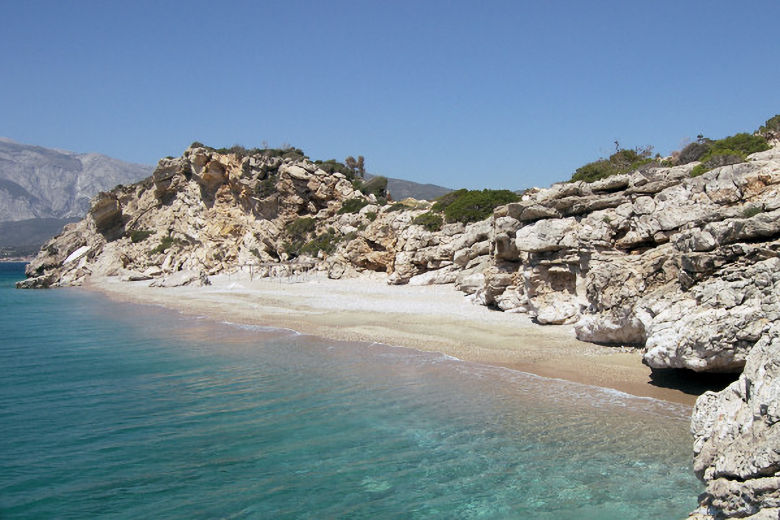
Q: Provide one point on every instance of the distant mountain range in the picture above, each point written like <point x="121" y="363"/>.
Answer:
<point x="42" y="189"/>
<point x="37" y="182"/>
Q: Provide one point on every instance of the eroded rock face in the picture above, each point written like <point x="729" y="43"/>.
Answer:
<point x="685" y="267"/>
<point x="106" y="212"/>
<point x="737" y="439"/>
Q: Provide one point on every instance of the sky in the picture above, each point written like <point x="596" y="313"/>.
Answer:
<point x="488" y="94"/>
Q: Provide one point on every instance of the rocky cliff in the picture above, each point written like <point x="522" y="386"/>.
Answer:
<point x="686" y="267"/>
<point x="737" y="439"/>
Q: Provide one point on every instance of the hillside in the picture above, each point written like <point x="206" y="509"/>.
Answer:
<point x="23" y="238"/>
<point x="42" y="189"/>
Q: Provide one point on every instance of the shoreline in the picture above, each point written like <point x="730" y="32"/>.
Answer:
<point x="435" y="318"/>
<point x="429" y="318"/>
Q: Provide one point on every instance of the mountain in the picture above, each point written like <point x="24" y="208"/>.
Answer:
<point x="23" y="238"/>
<point x="42" y="189"/>
<point x="400" y="189"/>
<point x="37" y="182"/>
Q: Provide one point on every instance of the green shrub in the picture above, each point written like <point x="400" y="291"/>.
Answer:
<point x="266" y="187"/>
<point x="723" y="157"/>
<point x="371" y="215"/>
<point x="752" y="211"/>
<point x="352" y="206"/>
<point x="166" y="243"/>
<point x="743" y="143"/>
<point x="300" y="227"/>
<point x="729" y="150"/>
<point x="326" y="242"/>
<point x="772" y="126"/>
<point x="430" y="221"/>
<point x="140" y="235"/>
<point x="376" y="186"/>
<point x="445" y="200"/>
<point x="298" y="232"/>
<point x="693" y="152"/>
<point x="296" y="154"/>
<point x="699" y="169"/>
<point x="236" y="149"/>
<point x="398" y="206"/>
<point x="472" y="205"/>
<point x="333" y="166"/>
<point x="622" y="161"/>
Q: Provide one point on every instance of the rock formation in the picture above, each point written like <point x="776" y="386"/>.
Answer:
<point x="737" y="439"/>
<point x="686" y="267"/>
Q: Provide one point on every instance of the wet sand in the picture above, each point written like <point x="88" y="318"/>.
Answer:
<point x="432" y="318"/>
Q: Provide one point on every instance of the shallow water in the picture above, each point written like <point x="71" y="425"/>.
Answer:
<point x="125" y="411"/>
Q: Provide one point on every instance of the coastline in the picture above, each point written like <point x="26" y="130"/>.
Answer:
<point x="429" y="318"/>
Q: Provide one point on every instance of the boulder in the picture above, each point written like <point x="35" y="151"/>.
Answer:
<point x="106" y="212"/>
<point x="181" y="278"/>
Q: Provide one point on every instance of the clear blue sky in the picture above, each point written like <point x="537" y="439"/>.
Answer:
<point x="506" y="94"/>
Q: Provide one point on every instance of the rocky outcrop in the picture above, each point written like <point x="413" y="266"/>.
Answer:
<point x="686" y="267"/>
<point x="209" y="212"/>
<point x="737" y="439"/>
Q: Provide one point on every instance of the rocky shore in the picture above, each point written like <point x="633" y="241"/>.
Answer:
<point x="686" y="268"/>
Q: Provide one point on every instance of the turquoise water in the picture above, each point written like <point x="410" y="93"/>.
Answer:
<point x="124" y="411"/>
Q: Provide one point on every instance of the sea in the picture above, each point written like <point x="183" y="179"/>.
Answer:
<point x="127" y="411"/>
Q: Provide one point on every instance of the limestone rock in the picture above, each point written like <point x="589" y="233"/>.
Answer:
<point x="106" y="212"/>
<point x="181" y="278"/>
<point x="737" y="438"/>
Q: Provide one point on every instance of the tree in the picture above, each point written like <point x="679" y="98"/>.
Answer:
<point x="361" y="166"/>
<point x="351" y="163"/>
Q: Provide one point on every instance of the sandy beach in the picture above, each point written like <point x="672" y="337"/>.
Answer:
<point x="433" y="318"/>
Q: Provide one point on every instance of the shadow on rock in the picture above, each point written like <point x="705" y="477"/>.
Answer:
<point x="690" y="382"/>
